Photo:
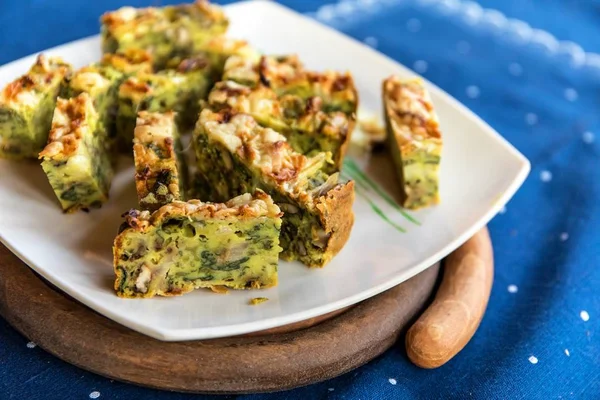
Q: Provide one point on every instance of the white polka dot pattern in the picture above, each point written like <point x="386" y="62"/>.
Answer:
<point x="571" y="94"/>
<point x="584" y="316"/>
<point x="545" y="176"/>
<point x="420" y="66"/>
<point x="515" y="69"/>
<point x="413" y="25"/>
<point x="463" y="47"/>
<point x="533" y="359"/>
<point x="473" y="14"/>
<point x="473" y="92"/>
<point x="531" y="118"/>
<point x="371" y="41"/>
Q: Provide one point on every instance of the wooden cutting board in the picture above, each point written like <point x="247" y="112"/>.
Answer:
<point x="278" y="359"/>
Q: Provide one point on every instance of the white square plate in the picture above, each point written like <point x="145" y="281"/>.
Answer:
<point x="480" y="173"/>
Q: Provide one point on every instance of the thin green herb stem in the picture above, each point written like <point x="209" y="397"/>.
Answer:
<point x="364" y="179"/>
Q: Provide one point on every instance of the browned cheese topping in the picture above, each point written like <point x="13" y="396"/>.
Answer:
<point x="411" y="110"/>
<point x="246" y="206"/>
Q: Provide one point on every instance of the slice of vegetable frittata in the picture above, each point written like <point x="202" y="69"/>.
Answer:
<point x="177" y="31"/>
<point x="184" y="246"/>
<point x="414" y="139"/>
<point x="287" y="75"/>
<point x="236" y="155"/>
<point x="178" y="90"/>
<point x="26" y="107"/>
<point x="308" y="129"/>
<point x="160" y="169"/>
<point x="75" y="158"/>
<point x="102" y="80"/>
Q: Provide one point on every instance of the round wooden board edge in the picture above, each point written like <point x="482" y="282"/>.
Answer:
<point x="244" y="364"/>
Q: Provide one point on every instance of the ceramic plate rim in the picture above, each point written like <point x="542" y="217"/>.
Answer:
<point x="160" y="333"/>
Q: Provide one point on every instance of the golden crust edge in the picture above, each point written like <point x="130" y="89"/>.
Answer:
<point x="337" y="217"/>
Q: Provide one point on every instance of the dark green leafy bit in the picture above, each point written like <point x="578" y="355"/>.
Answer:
<point x="172" y="225"/>
<point x="70" y="194"/>
<point x="123" y="278"/>
<point x="160" y="153"/>
<point x="209" y="260"/>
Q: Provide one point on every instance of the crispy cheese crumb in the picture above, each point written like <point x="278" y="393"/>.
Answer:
<point x="257" y="300"/>
<point x="219" y="289"/>
<point x="373" y="128"/>
<point x="371" y="132"/>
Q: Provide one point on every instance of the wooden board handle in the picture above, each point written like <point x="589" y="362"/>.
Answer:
<point x="451" y="320"/>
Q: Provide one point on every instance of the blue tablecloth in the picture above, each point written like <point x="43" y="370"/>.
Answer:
<point x="539" y="336"/>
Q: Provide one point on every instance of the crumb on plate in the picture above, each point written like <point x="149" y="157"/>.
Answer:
<point x="257" y="300"/>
